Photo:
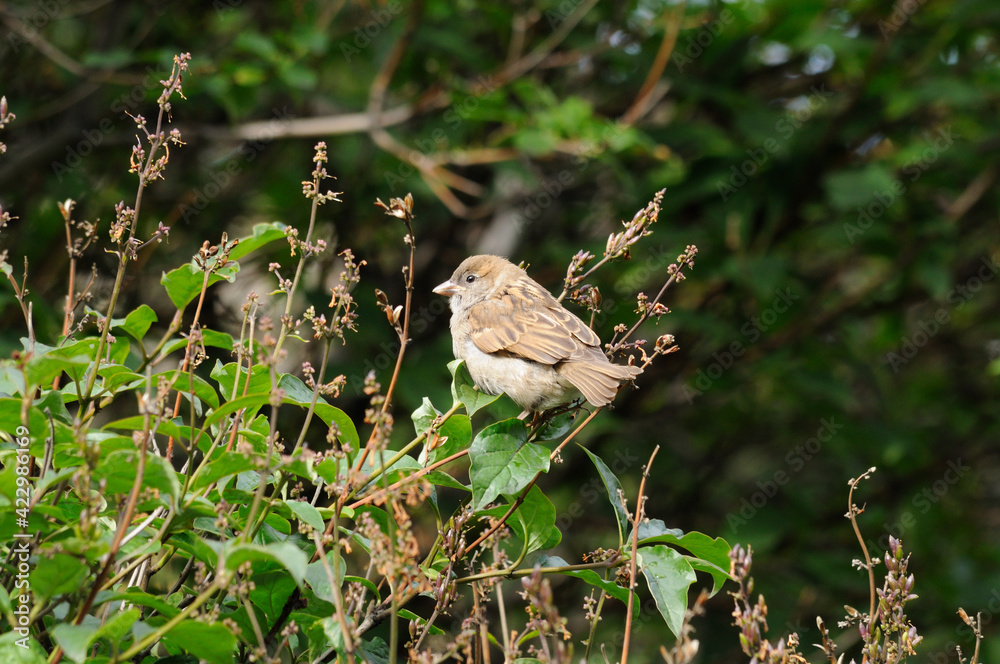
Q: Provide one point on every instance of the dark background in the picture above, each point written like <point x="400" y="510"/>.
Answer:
<point x="835" y="163"/>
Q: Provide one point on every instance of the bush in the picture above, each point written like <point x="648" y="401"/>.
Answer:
<point x="167" y="506"/>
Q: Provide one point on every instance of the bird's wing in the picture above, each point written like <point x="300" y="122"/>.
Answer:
<point x="528" y="322"/>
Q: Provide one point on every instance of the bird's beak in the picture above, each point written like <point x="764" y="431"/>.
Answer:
<point x="448" y="289"/>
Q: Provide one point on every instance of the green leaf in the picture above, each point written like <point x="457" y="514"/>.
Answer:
<point x="137" y="322"/>
<point x="711" y="554"/>
<point x="503" y="461"/>
<point x="74" y="639"/>
<point x="535" y="142"/>
<point x="536" y="519"/>
<point x="142" y="598"/>
<point x="209" y="337"/>
<point x="210" y="642"/>
<point x="589" y="576"/>
<point x="348" y="433"/>
<point x="138" y="423"/>
<point x="327" y="631"/>
<point x="285" y="554"/>
<point x="297" y="393"/>
<point x="411" y="616"/>
<point x="450" y="437"/>
<point x="258" y="393"/>
<point x="319" y="580"/>
<point x="464" y="391"/>
<point x="226" y="464"/>
<point x="556" y="426"/>
<point x="262" y="234"/>
<point x="119" y="379"/>
<point x="43" y="368"/>
<point x="669" y="576"/>
<point x="307" y="514"/>
<point x="194" y="545"/>
<point x="225" y="376"/>
<point x="183" y="284"/>
<point x="12" y="652"/>
<point x="118" y="625"/>
<point x="118" y="470"/>
<point x="202" y="389"/>
<point x="613" y="487"/>
<point x="271" y="591"/>
<point x="251" y="403"/>
<point x="57" y="575"/>
<point x="849" y="189"/>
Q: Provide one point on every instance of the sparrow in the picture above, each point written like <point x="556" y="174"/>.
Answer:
<point x="518" y="339"/>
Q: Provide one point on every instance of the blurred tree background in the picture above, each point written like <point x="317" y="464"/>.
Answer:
<point x="835" y="163"/>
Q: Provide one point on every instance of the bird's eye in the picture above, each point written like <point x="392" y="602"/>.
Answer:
<point x="469" y="279"/>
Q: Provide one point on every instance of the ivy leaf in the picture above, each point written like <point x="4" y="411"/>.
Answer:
<point x="464" y="391"/>
<point x="184" y="283"/>
<point x="589" y="576"/>
<point x="503" y="461"/>
<point x="535" y="521"/>
<point x="669" y="576"/>
<point x="285" y="554"/>
<point x="307" y="514"/>
<point x="262" y="234"/>
<point x="613" y="487"/>
<point x="450" y="437"/>
<point x="74" y="639"/>
<point x="14" y="651"/>
<point x="137" y="322"/>
<point x="319" y="580"/>
<point x="57" y="575"/>
<point x="118" y="470"/>
<point x="213" y="643"/>
<point x="711" y="555"/>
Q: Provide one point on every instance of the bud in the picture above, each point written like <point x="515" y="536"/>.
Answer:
<point x="65" y="207"/>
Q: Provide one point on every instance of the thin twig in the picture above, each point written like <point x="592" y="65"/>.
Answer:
<point x="852" y="512"/>
<point x="639" y="510"/>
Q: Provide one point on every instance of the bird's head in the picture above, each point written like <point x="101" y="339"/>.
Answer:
<point x="476" y="279"/>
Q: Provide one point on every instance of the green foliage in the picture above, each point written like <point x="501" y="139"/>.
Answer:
<point x="164" y="506"/>
<point x="833" y="162"/>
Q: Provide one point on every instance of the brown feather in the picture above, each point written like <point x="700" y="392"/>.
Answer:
<point x="520" y="330"/>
